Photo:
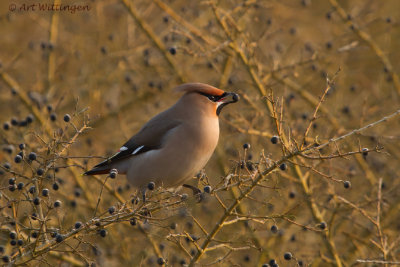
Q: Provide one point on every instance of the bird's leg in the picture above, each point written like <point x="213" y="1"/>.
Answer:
<point x="194" y="189"/>
<point x="196" y="192"/>
<point x="144" y="195"/>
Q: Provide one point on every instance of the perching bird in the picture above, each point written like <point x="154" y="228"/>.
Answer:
<point x="174" y="145"/>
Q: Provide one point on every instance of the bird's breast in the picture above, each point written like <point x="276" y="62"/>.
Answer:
<point x="186" y="150"/>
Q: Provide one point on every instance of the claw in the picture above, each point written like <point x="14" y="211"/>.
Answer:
<point x="144" y="195"/>
<point x="196" y="192"/>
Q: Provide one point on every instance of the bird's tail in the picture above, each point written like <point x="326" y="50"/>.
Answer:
<point x="98" y="170"/>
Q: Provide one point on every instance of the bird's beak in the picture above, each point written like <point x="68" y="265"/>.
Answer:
<point x="228" y="98"/>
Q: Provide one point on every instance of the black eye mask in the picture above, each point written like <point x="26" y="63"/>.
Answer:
<point x="221" y="98"/>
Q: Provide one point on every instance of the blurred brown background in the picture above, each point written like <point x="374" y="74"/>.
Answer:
<point x="121" y="60"/>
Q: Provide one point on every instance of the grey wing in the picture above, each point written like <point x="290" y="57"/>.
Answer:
<point x="150" y="137"/>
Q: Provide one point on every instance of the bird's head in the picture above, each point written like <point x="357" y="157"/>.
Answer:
<point x="208" y="95"/>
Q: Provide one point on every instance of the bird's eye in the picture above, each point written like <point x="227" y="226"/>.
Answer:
<point x="213" y="98"/>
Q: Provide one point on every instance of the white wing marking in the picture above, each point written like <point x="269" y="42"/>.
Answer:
<point x="123" y="149"/>
<point x="137" y="150"/>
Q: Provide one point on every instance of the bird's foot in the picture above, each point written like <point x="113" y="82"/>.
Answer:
<point x="196" y="192"/>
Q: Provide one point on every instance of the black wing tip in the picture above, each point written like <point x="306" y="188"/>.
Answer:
<point x="96" y="171"/>
<point x="88" y="173"/>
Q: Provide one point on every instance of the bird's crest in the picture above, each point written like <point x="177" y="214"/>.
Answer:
<point x="200" y="88"/>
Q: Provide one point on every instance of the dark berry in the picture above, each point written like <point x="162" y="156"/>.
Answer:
<point x="40" y="171"/>
<point x="59" y="238"/>
<point x="246" y="146"/>
<point x="20" y="186"/>
<point x="78" y="225"/>
<point x="120" y="189"/>
<point x="7" y="165"/>
<point x="77" y="192"/>
<point x="250" y="166"/>
<point x="45" y="192"/>
<point x="293" y="238"/>
<point x="53" y="116"/>
<point x="328" y="15"/>
<point x="160" y="261"/>
<point x="13" y="235"/>
<point x="274" y="229"/>
<point x="246" y="258"/>
<point x="272" y="262"/>
<point x="18" y="159"/>
<point x="67" y="117"/>
<point x="13" y="242"/>
<point x="103" y="50"/>
<point x="329" y="45"/>
<point x="365" y="151"/>
<point x="283" y="167"/>
<point x="103" y="232"/>
<point x="23" y="123"/>
<point x="32" y="156"/>
<point x="9" y="149"/>
<point x="12" y="187"/>
<point x="346" y="184"/>
<point x="151" y="186"/>
<point x="274" y="139"/>
<point x="322" y="225"/>
<point x="21" y="146"/>
<point x="113" y="173"/>
<point x="57" y="203"/>
<point x="14" y="122"/>
<point x="20" y="242"/>
<point x="11" y="181"/>
<point x="172" y="50"/>
<point x="128" y="78"/>
<point x="346" y="109"/>
<point x="111" y="209"/>
<point x="36" y="201"/>
<point x="34" y="216"/>
<point x="287" y="256"/>
<point x="53" y="234"/>
<point x="6" y="126"/>
<point x="207" y="189"/>
<point x="29" y="119"/>
<point x="49" y="108"/>
<point x="6" y="259"/>
<point x="55" y="186"/>
<point x="133" y="221"/>
<point x="32" y="189"/>
<point x="292" y="194"/>
<point x="35" y="234"/>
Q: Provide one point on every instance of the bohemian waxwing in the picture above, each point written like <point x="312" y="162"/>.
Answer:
<point x="174" y="145"/>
